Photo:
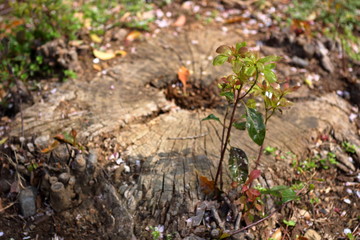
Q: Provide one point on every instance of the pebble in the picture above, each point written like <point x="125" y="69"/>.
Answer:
<point x="312" y="235"/>
<point x="327" y="64"/>
<point x="41" y="142"/>
<point x="215" y="233"/>
<point x="27" y="199"/>
<point x="31" y="147"/>
<point x="348" y="201"/>
<point x="300" y="62"/>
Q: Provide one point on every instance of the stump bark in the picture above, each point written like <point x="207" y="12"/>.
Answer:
<point x="172" y="144"/>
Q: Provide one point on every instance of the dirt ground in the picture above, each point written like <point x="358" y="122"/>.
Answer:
<point x="97" y="208"/>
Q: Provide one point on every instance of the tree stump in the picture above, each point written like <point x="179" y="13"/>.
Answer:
<point x="172" y="144"/>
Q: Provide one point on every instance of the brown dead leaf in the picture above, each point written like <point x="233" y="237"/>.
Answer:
<point x="183" y="75"/>
<point x="121" y="52"/>
<point x="124" y="17"/>
<point x="104" y="55"/>
<point x="97" y="67"/>
<point x="180" y="21"/>
<point x="277" y="234"/>
<point x="75" y="43"/>
<point x="133" y="35"/>
<point x="207" y="186"/>
<point x="237" y="19"/>
<point x="51" y="147"/>
<point x="95" y="38"/>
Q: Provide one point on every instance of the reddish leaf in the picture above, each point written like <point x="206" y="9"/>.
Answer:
<point x="252" y="194"/>
<point x="183" y="75"/>
<point x="252" y="176"/>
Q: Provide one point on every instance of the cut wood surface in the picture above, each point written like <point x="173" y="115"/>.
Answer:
<point x="173" y="145"/>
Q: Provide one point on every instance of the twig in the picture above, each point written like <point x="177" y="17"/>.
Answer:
<point x="8" y="206"/>
<point x="187" y="138"/>
<point x="259" y="221"/>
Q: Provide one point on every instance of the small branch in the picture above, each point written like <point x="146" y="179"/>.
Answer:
<point x="259" y="221"/>
<point x="227" y="137"/>
<point x="187" y="138"/>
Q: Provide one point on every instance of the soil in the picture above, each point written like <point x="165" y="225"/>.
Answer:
<point x="141" y="133"/>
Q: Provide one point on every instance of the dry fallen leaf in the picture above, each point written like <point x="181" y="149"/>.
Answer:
<point x="97" y="67"/>
<point x="104" y="55"/>
<point x="207" y="186"/>
<point x="236" y="19"/>
<point x="180" y="21"/>
<point x="95" y="38"/>
<point x="51" y="147"/>
<point x="75" y="43"/>
<point x="183" y="75"/>
<point x="121" y="52"/>
<point x="276" y="235"/>
<point x="133" y="35"/>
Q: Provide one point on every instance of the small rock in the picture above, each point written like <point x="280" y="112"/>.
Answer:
<point x="312" y="235"/>
<point x="31" y="147"/>
<point x="309" y="50"/>
<point x="200" y="230"/>
<point x="326" y="64"/>
<point x="299" y="62"/>
<point x="239" y="236"/>
<point x="4" y="186"/>
<point x="193" y="237"/>
<point x="27" y="199"/>
<point x="119" y="35"/>
<point x="321" y="49"/>
<point x="215" y="233"/>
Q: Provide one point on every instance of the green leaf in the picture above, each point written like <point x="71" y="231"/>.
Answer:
<point x="249" y="71"/>
<point x="224" y="235"/>
<point x="220" y="60"/>
<point x="270" y="66"/>
<point x="211" y="117"/>
<point x="260" y="66"/>
<point x="238" y="165"/>
<point x="255" y="126"/>
<point x="269" y="75"/>
<point x="240" y="125"/>
<point x="251" y="103"/>
<point x="237" y="66"/>
<point x="229" y="95"/>
<point x="269" y="59"/>
<point x="240" y="45"/>
<point x="288" y="195"/>
<point x="289" y="223"/>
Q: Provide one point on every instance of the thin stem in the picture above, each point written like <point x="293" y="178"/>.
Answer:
<point x="227" y="136"/>
<point x="237" y="99"/>
<point x="257" y="222"/>
<point x="224" y="128"/>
